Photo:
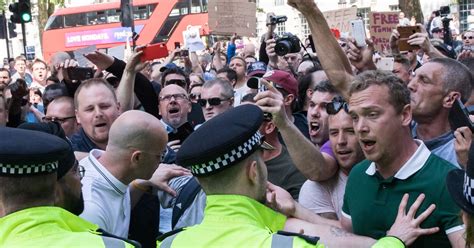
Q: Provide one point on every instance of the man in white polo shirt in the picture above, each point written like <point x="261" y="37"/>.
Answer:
<point x="136" y="143"/>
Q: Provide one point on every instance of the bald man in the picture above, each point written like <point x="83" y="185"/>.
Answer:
<point x="137" y="141"/>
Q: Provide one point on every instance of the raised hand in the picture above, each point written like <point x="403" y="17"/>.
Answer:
<point x="100" y="59"/>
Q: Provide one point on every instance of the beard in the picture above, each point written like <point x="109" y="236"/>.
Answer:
<point x="76" y="206"/>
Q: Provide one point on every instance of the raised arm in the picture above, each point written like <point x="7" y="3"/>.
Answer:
<point x="330" y="54"/>
<point x="306" y="156"/>
<point x="127" y="82"/>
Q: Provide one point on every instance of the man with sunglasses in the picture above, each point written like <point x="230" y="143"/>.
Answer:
<point x="174" y="75"/>
<point x="61" y="110"/>
<point x="325" y="198"/>
<point x="217" y="96"/>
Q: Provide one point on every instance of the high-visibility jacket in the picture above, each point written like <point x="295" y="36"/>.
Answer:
<point x="236" y="221"/>
<point x="52" y="227"/>
<point x="239" y="221"/>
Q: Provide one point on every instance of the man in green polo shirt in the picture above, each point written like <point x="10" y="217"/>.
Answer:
<point x="396" y="164"/>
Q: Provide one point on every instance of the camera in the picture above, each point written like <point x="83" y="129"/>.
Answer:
<point x="287" y="43"/>
<point x="444" y="11"/>
<point x="278" y="19"/>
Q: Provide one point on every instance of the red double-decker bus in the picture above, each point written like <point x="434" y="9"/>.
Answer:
<point x="69" y="29"/>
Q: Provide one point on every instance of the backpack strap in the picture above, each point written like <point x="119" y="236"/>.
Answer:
<point x="184" y="200"/>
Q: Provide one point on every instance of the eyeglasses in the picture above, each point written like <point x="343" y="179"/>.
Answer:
<point x="194" y="96"/>
<point x="178" y="82"/>
<point x="437" y="31"/>
<point x="82" y="171"/>
<point x="175" y="96"/>
<point x="467" y="37"/>
<point x="79" y="170"/>
<point x="212" y="101"/>
<point x="57" y="119"/>
<point x="336" y="105"/>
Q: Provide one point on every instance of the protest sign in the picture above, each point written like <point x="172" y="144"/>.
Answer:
<point x="340" y="19"/>
<point x="381" y="26"/>
<point x="227" y="17"/>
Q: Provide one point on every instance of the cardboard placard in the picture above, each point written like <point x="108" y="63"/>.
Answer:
<point x="227" y="17"/>
<point x="381" y="26"/>
<point x="340" y="19"/>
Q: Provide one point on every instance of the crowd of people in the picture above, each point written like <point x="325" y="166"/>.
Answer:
<point x="247" y="147"/>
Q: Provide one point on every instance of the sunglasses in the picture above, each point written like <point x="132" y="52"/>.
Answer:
<point x="437" y="31"/>
<point x="178" y="82"/>
<point x="194" y="96"/>
<point x="467" y="37"/>
<point x="212" y="101"/>
<point x="57" y="119"/>
<point x="336" y="105"/>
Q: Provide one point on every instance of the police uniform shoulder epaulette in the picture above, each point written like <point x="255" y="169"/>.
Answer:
<point x="310" y="239"/>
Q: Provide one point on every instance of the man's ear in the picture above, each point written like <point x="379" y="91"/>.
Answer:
<point x="268" y="127"/>
<point x="289" y="99"/>
<point x="135" y="158"/>
<point x="406" y="115"/>
<point x="252" y="172"/>
<point x="309" y="93"/>
<point x="449" y="99"/>
<point x="78" y="120"/>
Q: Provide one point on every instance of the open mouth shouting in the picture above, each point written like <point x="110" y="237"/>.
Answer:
<point x="314" y="128"/>
<point x="173" y="110"/>
<point x="367" y="145"/>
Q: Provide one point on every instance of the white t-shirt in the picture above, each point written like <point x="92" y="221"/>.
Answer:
<point x="324" y="197"/>
<point x="106" y="199"/>
<point x="240" y="93"/>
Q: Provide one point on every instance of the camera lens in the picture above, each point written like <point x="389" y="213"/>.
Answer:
<point x="282" y="47"/>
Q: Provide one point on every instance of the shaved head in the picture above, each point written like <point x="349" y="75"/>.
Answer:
<point x="137" y="129"/>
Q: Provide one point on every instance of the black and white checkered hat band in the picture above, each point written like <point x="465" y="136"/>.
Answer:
<point x="228" y="158"/>
<point x="468" y="189"/>
<point x="28" y="169"/>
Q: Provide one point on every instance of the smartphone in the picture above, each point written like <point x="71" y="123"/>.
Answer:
<point x="184" y="53"/>
<point x="155" y="51"/>
<point x="405" y="33"/>
<point x="177" y="45"/>
<point x="358" y="32"/>
<point x="459" y="116"/>
<point x="311" y="43"/>
<point x="385" y="64"/>
<point x="80" y="73"/>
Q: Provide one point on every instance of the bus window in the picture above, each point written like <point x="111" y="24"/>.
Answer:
<point x="101" y="17"/>
<point x="140" y="12"/>
<point x="54" y="22"/>
<point x="74" y="20"/>
<point x="113" y="15"/>
<point x="196" y="6"/>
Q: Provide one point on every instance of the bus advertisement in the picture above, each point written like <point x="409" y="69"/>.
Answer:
<point x="156" y="21"/>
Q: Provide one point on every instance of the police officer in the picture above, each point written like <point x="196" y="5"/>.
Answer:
<point x="231" y="171"/>
<point x="29" y="162"/>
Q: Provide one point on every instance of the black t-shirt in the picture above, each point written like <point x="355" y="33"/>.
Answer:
<point x="301" y="123"/>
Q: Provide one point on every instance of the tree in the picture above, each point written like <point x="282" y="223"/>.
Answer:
<point x="411" y="8"/>
<point x="45" y="10"/>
